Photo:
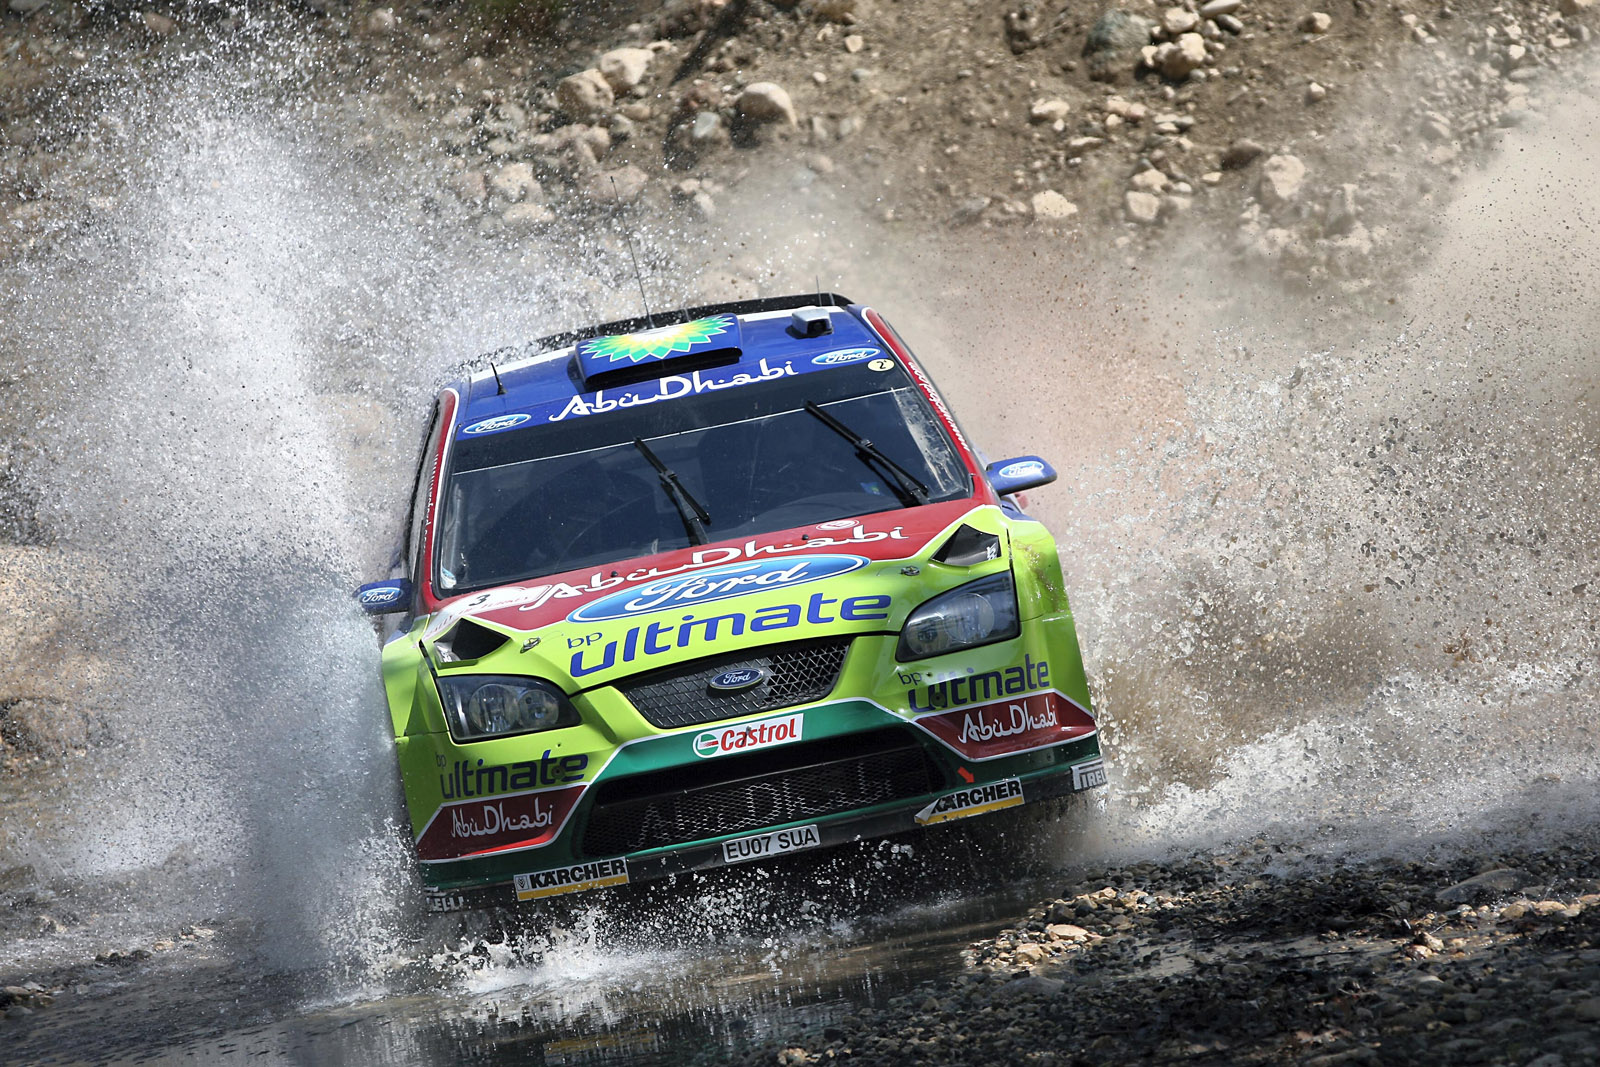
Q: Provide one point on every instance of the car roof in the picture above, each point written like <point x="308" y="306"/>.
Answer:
<point x="741" y="338"/>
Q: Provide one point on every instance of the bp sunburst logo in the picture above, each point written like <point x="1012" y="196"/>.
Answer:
<point x="658" y="343"/>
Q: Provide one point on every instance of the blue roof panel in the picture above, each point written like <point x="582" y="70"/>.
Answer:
<point x="545" y="388"/>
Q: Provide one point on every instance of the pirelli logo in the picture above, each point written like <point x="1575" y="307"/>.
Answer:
<point x="964" y="803"/>
<point x="574" y="879"/>
<point x="1088" y="775"/>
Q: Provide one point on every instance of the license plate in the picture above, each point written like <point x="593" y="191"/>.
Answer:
<point x="760" y="846"/>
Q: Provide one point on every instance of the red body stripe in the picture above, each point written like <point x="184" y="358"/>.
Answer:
<point x="448" y="402"/>
<point x="886" y="332"/>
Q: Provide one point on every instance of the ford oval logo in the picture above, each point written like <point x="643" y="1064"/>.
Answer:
<point x="738" y="678"/>
<point x="718" y="583"/>
<point x="1026" y="468"/>
<point x="386" y="594"/>
<point x="499" y="422"/>
<point x="844" y="355"/>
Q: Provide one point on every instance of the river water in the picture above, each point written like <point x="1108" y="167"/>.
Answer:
<point x="1334" y="576"/>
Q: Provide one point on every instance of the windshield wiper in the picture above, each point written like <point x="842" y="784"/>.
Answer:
<point x="910" y="491"/>
<point x="695" y="517"/>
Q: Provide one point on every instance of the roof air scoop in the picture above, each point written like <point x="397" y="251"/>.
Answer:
<point x="636" y="357"/>
<point x="810" y="322"/>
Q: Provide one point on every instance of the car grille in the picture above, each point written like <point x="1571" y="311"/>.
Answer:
<point x="797" y="673"/>
<point x="736" y="793"/>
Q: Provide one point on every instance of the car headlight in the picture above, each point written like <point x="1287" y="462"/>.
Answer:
<point x="480" y="706"/>
<point x="978" y="613"/>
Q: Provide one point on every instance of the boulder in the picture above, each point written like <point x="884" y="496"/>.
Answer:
<point x="624" y="68"/>
<point x="515" y="183"/>
<point x="1241" y="153"/>
<point x="1143" y="208"/>
<point x="1055" y="110"/>
<point x="584" y="96"/>
<point x="1051" y="206"/>
<point x="1117" y="31"/>
<point x="1178" y="20"/>
<point x="1188" y="53"/>
<point x="766" y="102"/>
<point x="1113" y="43"/>
<point x="1131" y="110"/>
<point x="623" y="185"/>
<point x="1150" y="180"/>
<point x="1281" y="178"/>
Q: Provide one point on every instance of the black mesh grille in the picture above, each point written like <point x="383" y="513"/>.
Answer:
<point x="682" y="696"/>
<point x="738" y="793"/>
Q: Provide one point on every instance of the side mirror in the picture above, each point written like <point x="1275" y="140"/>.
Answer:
<point x="1010" y="476"/>
<point x="386" y="597"/>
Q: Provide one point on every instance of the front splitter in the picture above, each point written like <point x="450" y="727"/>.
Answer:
<point x="822" y="833"/>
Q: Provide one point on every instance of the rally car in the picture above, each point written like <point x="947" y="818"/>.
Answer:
<point x="712" y="587"/>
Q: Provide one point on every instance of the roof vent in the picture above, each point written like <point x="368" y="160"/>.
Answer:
<point x="810" y="322"/>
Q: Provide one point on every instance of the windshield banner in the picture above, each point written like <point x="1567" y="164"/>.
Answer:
<point x="670" y="387"/>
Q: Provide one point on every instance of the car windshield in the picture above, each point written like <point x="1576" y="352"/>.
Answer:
<point x="591" y="491"/>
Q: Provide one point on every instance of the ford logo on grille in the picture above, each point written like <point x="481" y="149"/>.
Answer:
<point x="738" y="678"/>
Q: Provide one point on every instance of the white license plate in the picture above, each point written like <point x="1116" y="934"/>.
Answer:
<point x="760" y="846"/>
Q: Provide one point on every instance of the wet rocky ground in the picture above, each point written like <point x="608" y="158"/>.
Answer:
<point x="1257" y="956"/>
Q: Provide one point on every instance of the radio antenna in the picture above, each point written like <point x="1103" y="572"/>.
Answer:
<point x="638" y="275"/>
<point x="817" y="281"/>
<point x="499" y="387"/>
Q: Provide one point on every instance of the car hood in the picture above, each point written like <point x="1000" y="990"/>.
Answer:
<point x="578" y="610"/>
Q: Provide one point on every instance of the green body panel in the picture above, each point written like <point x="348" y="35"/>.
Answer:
<point x="873" y="689"/>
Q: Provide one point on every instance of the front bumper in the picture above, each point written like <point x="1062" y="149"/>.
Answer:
<point x="1075" y="767"/>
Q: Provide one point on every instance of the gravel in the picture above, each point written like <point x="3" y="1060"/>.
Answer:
<point x="1255" y="956"/>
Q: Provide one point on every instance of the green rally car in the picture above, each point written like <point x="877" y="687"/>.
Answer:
<point x="710" y="588"/>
